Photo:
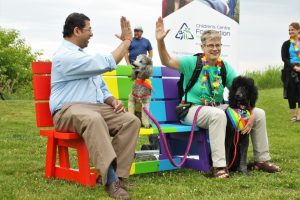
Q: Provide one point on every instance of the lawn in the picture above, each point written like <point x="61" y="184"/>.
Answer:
<point x="22" y="157"/>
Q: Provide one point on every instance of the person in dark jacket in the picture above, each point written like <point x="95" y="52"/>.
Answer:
<point x="290" y="54"/>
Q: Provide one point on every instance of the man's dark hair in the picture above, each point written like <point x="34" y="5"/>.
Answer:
<point x="72" y="21"/>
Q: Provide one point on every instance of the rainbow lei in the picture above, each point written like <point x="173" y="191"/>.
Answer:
<point x="296" y="46"/>
<point x="205" y="78"/>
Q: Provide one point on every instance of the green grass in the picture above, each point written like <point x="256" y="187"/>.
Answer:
<point x="269" y="78"/>
<point x="23" y="152"/>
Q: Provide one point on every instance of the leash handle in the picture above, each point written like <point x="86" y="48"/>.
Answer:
<point x="164" y="140"/>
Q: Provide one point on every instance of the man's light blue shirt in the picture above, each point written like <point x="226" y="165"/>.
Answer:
<point x="76" y="76"/>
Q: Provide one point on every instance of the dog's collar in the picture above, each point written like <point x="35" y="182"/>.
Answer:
<point x="140" y="97"/>
<point x="145" y="83"/>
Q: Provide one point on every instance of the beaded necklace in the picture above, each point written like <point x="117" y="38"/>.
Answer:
<point x="214" y="86"/>
<point x="296" y="46"/>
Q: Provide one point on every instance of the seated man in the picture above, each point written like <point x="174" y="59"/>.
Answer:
<point x="80" y="102"/>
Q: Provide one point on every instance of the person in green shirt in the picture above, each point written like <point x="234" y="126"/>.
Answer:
<point x="208" y="92"/>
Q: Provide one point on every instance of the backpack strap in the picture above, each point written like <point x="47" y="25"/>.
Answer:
<point x="195" y="75"/>
<point x="223" y="74"/>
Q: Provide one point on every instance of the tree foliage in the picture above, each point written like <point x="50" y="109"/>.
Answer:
<point x="15" y="61"/>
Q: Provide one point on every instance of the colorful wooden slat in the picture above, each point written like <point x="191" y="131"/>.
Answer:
<point x="41" y="67"/>
<point x="165" y="164"/>
<point x="124" y="87"/>
<point x="146" y="167"/>
<point x="124" y="70"/>
<point x="167" y="72"/>
<point x="158" y="110"/>
<point x="43" y="115"/>
<point x="112" y="85"/>
<point x="156" y="71"/>
<point x="170" y="108"/>
<point x="170" y="88"/>
<point x="158" y="92"/>
<point x="41" y="87"/>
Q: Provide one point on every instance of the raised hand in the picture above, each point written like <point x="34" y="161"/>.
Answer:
<point x="160" y="30"/>
<point x="126" y="32"/>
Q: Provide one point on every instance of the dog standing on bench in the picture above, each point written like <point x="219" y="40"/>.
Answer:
<point x="242" y="98"/>
<point x="141" y="95"/>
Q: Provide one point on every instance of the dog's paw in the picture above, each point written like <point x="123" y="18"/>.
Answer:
<point x="243" y="169"/>
<point x="147" y="125"/>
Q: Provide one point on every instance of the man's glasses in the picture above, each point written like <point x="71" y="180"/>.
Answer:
<point x="212" y="46"/>
<point x="88" y="29"/>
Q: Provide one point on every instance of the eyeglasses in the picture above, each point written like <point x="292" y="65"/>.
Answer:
<point x="88" y="29"/>
<point x="212" y="46"/>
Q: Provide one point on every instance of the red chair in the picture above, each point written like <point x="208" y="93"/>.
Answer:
<point x="58" y="142"/>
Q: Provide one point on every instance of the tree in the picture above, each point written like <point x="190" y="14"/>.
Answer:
<point x="15" y="61"/>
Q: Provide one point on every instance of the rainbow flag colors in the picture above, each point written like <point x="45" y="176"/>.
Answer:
<point x="238" y="117"/>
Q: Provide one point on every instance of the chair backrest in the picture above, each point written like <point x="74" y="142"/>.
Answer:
<point x="163" y="100"/>
<point x="41" y="89"/>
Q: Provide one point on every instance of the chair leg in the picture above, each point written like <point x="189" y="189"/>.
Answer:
<point x="86" y="177"/>
<point x="63" y="157"/>
<point x="51" y="157"/>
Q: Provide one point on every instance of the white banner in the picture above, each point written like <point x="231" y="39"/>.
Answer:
<point x="189" y="21"/>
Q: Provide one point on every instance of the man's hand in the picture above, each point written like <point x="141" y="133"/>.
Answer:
<point x="160" y="29"/>
<point x="126" y="32"/>
<point x="118" y="106"/>
<point x="249" y="124"/>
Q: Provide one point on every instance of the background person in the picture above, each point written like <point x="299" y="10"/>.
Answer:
<point x="80" y="102"/>
<point x="138" y="46"/>
<point x="290" y="54"/>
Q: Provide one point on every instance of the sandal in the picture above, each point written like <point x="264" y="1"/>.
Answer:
<point x="220" y="172"/>
<point x="293" y="119"/>
<point x="267" y="167"/>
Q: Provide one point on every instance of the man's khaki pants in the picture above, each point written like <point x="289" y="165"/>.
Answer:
<point x="214" y="119"/>
<point x="97" y="123"/>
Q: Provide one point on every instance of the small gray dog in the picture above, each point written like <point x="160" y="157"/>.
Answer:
<point x="141" y="90"/>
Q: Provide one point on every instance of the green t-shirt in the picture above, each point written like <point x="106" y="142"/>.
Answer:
<point x="200" y="90"/>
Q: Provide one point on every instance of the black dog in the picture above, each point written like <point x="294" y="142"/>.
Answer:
<point x="242" y="95"/>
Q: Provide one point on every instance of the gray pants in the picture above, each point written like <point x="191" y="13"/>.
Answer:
<point x="97" y="123"/>
<point x="214" y="119"/>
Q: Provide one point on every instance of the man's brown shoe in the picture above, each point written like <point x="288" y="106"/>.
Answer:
<point x="266" y="167"/>
<point x="125" y="184"/>
<point x="115" y="191"/>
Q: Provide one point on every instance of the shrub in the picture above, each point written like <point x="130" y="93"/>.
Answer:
<point x="269" y="78"/>
<point x="15" y="62"/>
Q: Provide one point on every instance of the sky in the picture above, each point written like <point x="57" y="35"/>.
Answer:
<point x="263" y="25"/>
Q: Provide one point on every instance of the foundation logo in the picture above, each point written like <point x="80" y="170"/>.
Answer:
<point x="184" y="33"/>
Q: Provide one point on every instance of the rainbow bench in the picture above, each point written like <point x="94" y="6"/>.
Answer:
<point x="163" y="103"/>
